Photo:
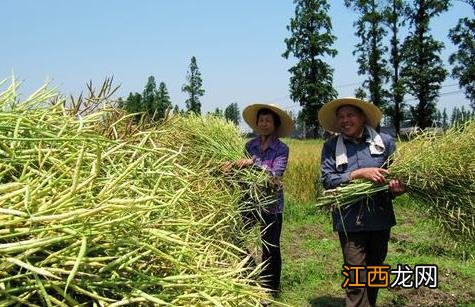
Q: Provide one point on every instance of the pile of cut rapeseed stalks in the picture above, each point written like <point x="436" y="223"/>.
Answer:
<point x="142" y="219"/>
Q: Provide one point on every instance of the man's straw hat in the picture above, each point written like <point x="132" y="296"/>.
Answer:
<point x="250" y="116"/>
<point x="327" y="113"/>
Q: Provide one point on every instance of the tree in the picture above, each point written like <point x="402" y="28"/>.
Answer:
<point x="360" y="93"/>
<point x="231" y="113"/>
<point x="464" y="114"/>
<point x="133" y="104"/>
<point x="176" y="109"/>
<point x="463" y="36"/>
<point x="445" y="119"/>
<point x="153" y="103"/>
<point x="311" y="80"/>
<point x="299" y="130"/>
<point x="393" y="20"/>
<point x="193" y="88"/>
<point x="370" y="49"/>
<point x="460" y="116"/>
<point x="423" y="69"/>
<point x="149" y="98"/>
<point x="218" y="112"/>
<point x="456" y="116"/>
<point x="121" y="103"/>
<point x="163" y="101"/>
<point x="438" y="118"/>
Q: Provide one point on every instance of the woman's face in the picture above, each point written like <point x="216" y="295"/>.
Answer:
<point x="351" y="121"/>
<point x="266" y="125"/>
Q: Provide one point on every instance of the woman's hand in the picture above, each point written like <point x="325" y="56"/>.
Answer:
<point x="227" y="166"/>
<point x="374" y="174"/>
<point x="397" y="187"/>
<point x="243" y="163"/>
<point x="276" y="182"/>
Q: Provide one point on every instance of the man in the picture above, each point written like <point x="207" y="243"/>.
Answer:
<point x="359" y="152"/>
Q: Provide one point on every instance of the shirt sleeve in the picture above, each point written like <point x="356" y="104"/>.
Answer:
<point x="331" y="178"/>
<point x="279" y="164"/>
<point x="248" y="148"/>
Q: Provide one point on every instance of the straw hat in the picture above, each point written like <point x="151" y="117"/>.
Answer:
<point x="250" y="116"/>
<point x="327" y="113"/>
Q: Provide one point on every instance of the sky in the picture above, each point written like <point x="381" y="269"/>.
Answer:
<point x="238" y="46"/>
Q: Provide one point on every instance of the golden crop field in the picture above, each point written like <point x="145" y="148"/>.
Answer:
<point x="303" y="170"/>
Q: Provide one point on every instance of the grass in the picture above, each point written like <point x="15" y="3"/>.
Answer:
<point x="312" y="257"/>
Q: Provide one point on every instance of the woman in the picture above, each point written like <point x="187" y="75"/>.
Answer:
<point x="267" y="152"/>
<point x="359" y="152"/>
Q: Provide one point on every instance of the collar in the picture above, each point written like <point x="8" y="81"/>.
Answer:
<point x="363" y="137"/>
<point x="256" y="142"/>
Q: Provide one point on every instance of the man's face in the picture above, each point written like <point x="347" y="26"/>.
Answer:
<point x="350" y="121"/>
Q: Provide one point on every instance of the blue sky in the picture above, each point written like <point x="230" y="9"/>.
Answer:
<point x="238" y="46"/>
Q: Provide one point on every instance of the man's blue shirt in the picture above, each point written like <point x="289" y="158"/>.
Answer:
<point x="374" y="213"/>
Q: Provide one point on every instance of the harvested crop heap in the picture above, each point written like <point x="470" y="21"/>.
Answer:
<point x="145" y="218"/>
<point x="438" y="170"/>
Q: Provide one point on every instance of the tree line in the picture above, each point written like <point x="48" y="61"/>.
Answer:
<point x="155" y="103"/>
<point x="393" y="66"/>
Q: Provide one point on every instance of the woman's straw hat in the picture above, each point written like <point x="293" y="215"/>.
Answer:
<point x="327" y="113"/>
<point x="250" y="116"/>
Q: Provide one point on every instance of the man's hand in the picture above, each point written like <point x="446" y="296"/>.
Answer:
<point x="374" y="174"/>
<point x="397" y="187"/>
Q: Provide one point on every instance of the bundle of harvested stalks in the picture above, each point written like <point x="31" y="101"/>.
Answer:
<point x="438" y="170"/>
<point x="89" y="220"/>
<point x="208" y="142"/>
